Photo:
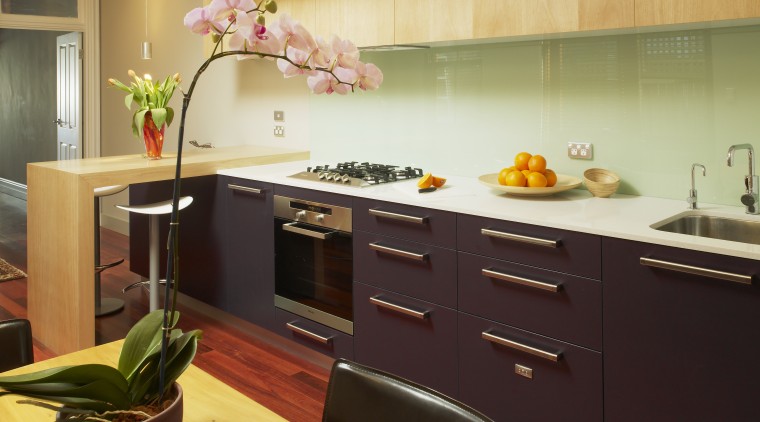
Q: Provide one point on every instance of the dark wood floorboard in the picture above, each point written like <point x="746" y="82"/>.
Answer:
<point x="280" y="375"/>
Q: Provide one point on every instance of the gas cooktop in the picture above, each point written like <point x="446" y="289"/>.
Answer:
<point x="353" y="173"/>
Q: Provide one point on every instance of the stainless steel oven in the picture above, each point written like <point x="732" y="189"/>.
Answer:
<point x="314" y="261"/>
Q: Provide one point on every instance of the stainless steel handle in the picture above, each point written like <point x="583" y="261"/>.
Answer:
<point x="244" y="189"/>
<point x="689" y="269"/>
<point x="376" y="300"/>
<point x="398" y="252"/>
<point x="554" y="357"/>
<point x="521" y="280"/>
<point x="291" y="227"/>
<point x="396" y="216"/>
<point x="521" y="238"/>
<point x="314" y="336"/>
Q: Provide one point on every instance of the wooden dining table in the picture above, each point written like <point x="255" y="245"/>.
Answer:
<point x="206" y="398"/>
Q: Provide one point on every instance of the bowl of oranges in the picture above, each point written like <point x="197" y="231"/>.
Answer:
<point x="529" y="177"/>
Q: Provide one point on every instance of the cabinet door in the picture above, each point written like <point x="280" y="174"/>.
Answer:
<point x="679" y="346"/>
<point x="391" y="334"/>
<point x="249" y="286"/>
<point x="512" y="384"/>
<point x="421" y="21"/>
<point x="663" y="12"/>
<point x="365" y="22"/>
<point x="315" y="336"/>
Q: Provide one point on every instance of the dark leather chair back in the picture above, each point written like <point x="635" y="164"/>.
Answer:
<point x="15" y="344"/>
<point x="360" y="393"/>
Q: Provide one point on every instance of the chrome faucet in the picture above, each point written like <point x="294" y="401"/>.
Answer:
<point x="692" y="199"/>
<point x="749" y="199"/>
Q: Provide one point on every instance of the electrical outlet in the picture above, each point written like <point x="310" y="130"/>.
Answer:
<point x="580" y="150"/>
<point x="279" y="131"/>
<point x="279" y="116"/>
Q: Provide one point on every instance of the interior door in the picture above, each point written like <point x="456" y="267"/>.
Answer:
<point x="69" y="94"/>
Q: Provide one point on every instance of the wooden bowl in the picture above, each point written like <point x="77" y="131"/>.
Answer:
<point x="600" y="182"/>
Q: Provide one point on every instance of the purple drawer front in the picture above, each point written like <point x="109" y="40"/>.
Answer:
<point x="554" y="304"/>
<point x="417" y="224"/>
<point x="422" y="349"/>
<point x="568" y="389"/>
<point x="553" y="249"/>
<point x="422" y="271"/>
<point x="307" y="332"/>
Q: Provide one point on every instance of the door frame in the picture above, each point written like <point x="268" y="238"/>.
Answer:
<point x="88" y="23"/>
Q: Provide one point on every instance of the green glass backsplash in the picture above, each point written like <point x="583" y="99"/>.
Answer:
<point x="652" y="104"/>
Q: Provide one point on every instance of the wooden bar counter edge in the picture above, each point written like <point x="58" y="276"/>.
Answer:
<point x="60" y="226"/>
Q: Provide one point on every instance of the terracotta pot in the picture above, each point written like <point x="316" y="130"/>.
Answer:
<point x="172" y="413"/>
<point x="153" y="137"/>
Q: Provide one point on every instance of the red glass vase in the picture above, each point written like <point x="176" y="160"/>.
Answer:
<point x="153" y="137"/>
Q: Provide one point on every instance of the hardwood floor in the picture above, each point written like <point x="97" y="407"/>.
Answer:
<point x="281" y="375"/>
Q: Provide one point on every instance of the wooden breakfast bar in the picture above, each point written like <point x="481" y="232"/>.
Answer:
<point x="60" y="227"/>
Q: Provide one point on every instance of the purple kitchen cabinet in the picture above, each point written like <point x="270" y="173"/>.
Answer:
<point x="679" y="346"/>
<point x="514" y="375"/>
<point x="423" y="225"/>
<point x="411" y="338"/>
<point x="554" y="249"/>
<point x="313" y="335"/>
<point x="249" y="286"/>
<point x="566" y="307"/>
<point x="414" y="269"/>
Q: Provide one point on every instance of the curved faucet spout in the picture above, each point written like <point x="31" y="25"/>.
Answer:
<point x="751" y="182"/>
<point x="751" y="152"/>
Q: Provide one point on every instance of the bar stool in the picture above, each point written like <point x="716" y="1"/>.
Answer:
<point x="108" y="305"/>
<point x="153" y="210"/>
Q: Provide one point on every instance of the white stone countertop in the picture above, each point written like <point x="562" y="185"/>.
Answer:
<point x="621" y="216"/>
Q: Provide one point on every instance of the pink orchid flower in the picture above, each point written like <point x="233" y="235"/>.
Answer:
<point x="346" y="53"/>
<point x="225" y="9"/>
<point x="325" y="83"/>
<point x="288" y="69"/>
<point x="292" y="32"/>
<point x="200" y="20"/>
<point x="250" y="36"/>
<point x="369" y="76"/>
<point x="321" y="54"/>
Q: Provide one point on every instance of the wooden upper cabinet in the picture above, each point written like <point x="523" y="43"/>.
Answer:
<point x="450" y="20"/>
<point x="663" y="12"/>
<point x="365" y="22"/>
<point x="301" y="10"/>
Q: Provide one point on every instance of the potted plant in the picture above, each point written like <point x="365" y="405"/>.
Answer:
<point x="153" y="113"/>
<point x="156" y="352"/>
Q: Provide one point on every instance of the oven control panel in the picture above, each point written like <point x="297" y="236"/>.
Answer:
<point x="315" y="213"/>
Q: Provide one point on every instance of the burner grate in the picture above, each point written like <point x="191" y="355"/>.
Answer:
<point x="370" y="173"/>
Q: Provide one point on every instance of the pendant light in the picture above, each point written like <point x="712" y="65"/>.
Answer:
<point x="147" y="48"/>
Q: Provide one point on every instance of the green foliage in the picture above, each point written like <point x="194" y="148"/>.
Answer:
<point x="102" y="388"/>
<point x="150" y="97"/>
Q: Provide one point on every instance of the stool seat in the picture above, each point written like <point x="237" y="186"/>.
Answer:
<point x="153" y="210"/>
<point x="109" y="190"/>
<point x="156" y="208"/>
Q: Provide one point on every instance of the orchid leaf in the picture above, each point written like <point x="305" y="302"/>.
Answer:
<point x="159" y="116"/>
<point x="80" y="374"/>
<point x="128" y="101"/>
<point x="97" y="390"/>
<point x="142" y="341"/>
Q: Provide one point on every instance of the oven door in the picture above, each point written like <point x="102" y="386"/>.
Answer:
<point x="314" y="273"/>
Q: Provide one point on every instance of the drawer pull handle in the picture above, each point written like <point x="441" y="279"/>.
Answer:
<point x="376" y="300"/>
<point x="554" y="357"/>
<point x="520" y="238"/>
<point x="689" y="269"/>
<point x="245" y="189"/>
<point x="398" y="252"/>
<point x="306" y="333"/>
<point x="395" y="216"/>
<point x="521" y="280"/>
<point x="291" y="227"/>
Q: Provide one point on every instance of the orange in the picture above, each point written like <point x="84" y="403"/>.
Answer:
<point x="551" y="177"/>
<point x="521" y="160"/>
<point x="515" y="178"/>
<point x="425" y="181"/>
<point x="503" y="175"/>
<point x="438" y="181"/>
<point x="526" y="173"/>
<point x="536" y="180"/>
<point x="537" y="163"/>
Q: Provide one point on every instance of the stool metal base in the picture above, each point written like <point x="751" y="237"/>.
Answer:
<point x="108" y="306"/>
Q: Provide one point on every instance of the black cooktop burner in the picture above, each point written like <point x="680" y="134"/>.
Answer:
<point x="368" y="172"/>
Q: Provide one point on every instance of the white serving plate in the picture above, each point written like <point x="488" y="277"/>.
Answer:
<point x="564" y="182"/>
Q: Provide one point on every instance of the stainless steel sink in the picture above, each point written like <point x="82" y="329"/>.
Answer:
<point x="736" y="230"/>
